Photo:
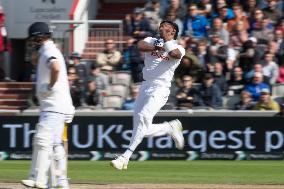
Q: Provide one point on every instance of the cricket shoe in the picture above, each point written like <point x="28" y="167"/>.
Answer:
<point x="63" y="184"/>
<point x="33" y="184"/>
<point x="120" y="163"/>
<point x="176" y="133"/>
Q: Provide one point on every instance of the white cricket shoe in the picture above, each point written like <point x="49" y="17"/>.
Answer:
<point x="33" y="184"/>
<point x="63" y="184"/>
<point x="176" y="133"/>
<point x="119" y="163"/>
<point x="28" y="183"/>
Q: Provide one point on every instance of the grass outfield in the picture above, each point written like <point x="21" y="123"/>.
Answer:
<point x="205" y="172"/>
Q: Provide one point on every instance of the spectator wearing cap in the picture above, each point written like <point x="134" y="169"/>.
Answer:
<point x="195" y="25"/>
<point x="256" y="85"/>
<point x="265" y="102"/>
<point x="218" y="28"/>
<point x="210" y="95"/>
<point x="81" y="71"/>
<point x="136" y="25"/>
<point x="245" y="102"/>
<point x="110" y="57"/>
<point x="152" y="12"/>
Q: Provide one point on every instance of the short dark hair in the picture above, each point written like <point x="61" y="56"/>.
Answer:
<point x="174" y="25"/>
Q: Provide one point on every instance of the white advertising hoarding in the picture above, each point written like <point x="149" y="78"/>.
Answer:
<point x="21" y="13"/>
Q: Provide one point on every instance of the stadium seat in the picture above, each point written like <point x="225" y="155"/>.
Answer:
<point x="278" y="90"/>
<point x="230" y="101"/>
<point x="118" y="89"/>
<point x="112" y="102"/>
<point x="121" y="77"/>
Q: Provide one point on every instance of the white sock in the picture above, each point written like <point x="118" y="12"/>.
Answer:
<point x="127" y="154"/>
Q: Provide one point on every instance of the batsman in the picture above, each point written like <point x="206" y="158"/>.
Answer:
<point x="56" y="109"/>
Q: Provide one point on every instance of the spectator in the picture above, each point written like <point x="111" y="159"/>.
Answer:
<point x="195" y="25"/>
<point x="218" y="28"/>
<point x="224" y="13"/>
<point x="264" y="33"/>
<point x="137" y="25"/>
<point x="189" y="65"/>
<point x="249" y="55"/>
<point x="125" y="62"/>
<point x="257" y="67"/>
<point x="186" y="96"/>
<point x="219" y="78"/>
<point x="265" y="102"/>
<point x="137" y="64"/>
<point x="222" y="53"/>
<point x="205" y="8"/>
<point x="256" y="86"/>
<point x="153" y="13"/>
<point x="93" y="95"/>
<point x="3" y="41"/>
<point x="245" y="102"/>
<point x="239" y="16"/>
<point x="178" y="7"/>
<point x="110" y="57"/>
<point x="81" y="71"/>
<point x="280" y="78"/>
<point x="172" y="16"/>
<point x="210" y="94"/>
<point x="101" y="80"/>
<point x="272" y="12"/>
<point x="203" y="55"/>
<point x="129" y="102"/>
<point x="239" y="36"/>
<point x="281" y="112"/>
<point x="270" y="68"/>
<point x="250" y="7"/>
<point x="74" y="85"/>
<point x="236" y="83"/>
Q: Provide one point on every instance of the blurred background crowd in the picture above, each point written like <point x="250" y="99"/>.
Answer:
<point x="234" y="57"/>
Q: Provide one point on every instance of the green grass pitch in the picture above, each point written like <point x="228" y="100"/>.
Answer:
<point x="206" y="172"/>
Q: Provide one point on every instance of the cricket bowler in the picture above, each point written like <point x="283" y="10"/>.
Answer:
<point x="162" y="57"/>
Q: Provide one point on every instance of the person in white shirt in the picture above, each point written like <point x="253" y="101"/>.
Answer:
<point x="56" y="109"/>
<point x="162" y="56"/>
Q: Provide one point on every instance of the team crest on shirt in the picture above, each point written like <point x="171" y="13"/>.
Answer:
<point x="159" y="55"/>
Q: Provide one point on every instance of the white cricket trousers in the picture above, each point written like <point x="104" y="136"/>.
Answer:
<point x="152" y="97"/>
<point x="50" y="129"/>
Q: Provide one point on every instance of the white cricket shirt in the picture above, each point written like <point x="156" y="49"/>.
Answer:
<point x="159" y="66"/>
<point x="60" y="99"/>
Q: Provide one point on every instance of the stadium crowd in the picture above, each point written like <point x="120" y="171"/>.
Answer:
<point x="234" y="57"/>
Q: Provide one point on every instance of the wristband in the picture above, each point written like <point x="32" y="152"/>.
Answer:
<point x="169" y="46"/>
